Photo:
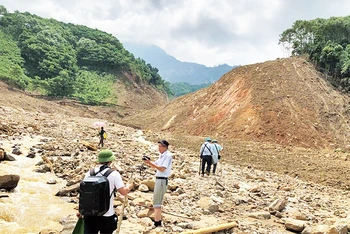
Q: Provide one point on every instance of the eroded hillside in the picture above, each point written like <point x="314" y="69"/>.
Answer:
<point x="285" y="101"/>
<point x="129" y="97"/>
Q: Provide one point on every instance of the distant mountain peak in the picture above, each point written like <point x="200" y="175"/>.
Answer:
<point x="173" y="70"/>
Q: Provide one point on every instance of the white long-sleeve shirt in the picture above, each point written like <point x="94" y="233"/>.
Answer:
<point x="216" y="151"/>
<point x="206" y="148"/>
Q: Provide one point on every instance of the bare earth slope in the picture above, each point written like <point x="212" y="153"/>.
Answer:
<point x="283" y="101"/>
<point x="266" y="115"/>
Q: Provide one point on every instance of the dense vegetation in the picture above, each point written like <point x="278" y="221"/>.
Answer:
<point x="327" y="44"/>
<point x="62" y="59"/>
<point x="182" y="88"/>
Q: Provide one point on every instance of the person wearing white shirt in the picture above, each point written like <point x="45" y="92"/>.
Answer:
<point x="163" y="167"/>
<point x="108" y="222"/>
<point x="216" y="154"/>
<point x="206" y="153"/>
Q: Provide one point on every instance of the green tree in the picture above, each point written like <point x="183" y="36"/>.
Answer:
<point x="47" y="53"/>
<point x="56" y="55"/>
<point x="326" y="41"/>
<point x="3" y="10"/>
<point x="91" y="88"/>
<point x="11" y="62"/>
<point x="61" y="85"/>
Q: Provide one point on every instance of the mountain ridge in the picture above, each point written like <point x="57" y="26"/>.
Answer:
<point x="173" y="70"/>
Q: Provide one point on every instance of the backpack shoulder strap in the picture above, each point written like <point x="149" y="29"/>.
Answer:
<point x="92" y="172"/>
<point x="216" y="148"/>
<point x="108" y="172"/>
<point x="208" y="148"/>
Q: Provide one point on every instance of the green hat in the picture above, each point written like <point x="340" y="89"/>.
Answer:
<point x="207" y="139"/>
<point x="214" y="140"/>
<point x="105" y="156"/>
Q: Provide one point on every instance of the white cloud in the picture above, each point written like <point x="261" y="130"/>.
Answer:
<point x="209" y="32"/>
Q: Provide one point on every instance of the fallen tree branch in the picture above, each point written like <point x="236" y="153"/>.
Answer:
<point x="47" y="161"/>
<point x="89" y="146"/>
<point x="66" y="191"/>
<point x="176" y="215"/>
<point x="213" y="229"/>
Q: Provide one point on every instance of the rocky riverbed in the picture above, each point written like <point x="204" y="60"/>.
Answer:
<point x="256" y="201"/>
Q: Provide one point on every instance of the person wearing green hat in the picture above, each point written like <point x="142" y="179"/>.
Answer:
<point x="216" y="153"/>
<point x="206" y="155"/>
<point x="108" y="222"/>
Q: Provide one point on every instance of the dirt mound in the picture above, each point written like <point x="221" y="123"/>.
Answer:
<point x="285" y="101"/>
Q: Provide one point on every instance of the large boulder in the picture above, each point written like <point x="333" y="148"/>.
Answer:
<point x="5" y="157"/>
<point x="9" y="182"/>
<point x="2" y="154"/>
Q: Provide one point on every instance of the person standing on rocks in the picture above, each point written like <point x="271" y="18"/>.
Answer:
<point x="206" y="153"/>
<point x="102" y="136"/>
<point x="163" y="167"/>
<point x="108" y="222"/>
<point x="216" y="153"/>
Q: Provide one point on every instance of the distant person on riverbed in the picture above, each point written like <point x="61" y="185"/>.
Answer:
<point x="206" y="153"/>
<point x="105" y="223"/>
<point x="216" y="154"/>
<point x="102" y="135"/>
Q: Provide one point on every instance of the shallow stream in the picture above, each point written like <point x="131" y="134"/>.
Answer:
<point x="32" y="206"/>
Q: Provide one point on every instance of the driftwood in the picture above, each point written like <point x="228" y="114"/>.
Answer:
<point x="89" y="146"/>
<point x="66" y="191"/>
<point x="47" y="161"/>
<point x="213" y="229"/>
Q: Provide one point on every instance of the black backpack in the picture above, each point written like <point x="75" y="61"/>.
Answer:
<point x="94" y="194"/>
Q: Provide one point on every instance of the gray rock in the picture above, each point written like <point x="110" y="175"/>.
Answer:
<point x="277" y="205"/>
<point x="9" y="182"/>
<point x="17" y="151"/>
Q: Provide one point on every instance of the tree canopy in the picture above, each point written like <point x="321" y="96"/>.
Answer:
<point x="66" y="59"/>
<point x="326" y="42"/>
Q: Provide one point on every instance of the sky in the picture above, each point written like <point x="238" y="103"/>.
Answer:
<point x="208" y="32"/>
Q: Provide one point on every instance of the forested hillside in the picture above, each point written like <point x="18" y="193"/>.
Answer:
<point x="327" y="44"/>
<point x="60" y="59"/>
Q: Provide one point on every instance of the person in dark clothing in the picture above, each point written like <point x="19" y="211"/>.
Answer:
<point x="101" y="134"/>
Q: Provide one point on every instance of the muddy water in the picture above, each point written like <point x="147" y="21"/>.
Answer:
<point x="32" y="206"/>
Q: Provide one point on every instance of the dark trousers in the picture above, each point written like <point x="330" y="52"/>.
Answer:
<point x="101" y="141"/>
<point x="102" y="224"/>
<point x="206" y="159"/>
<point x="214" y="167"/>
